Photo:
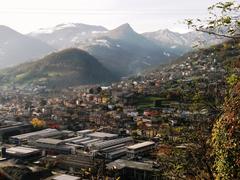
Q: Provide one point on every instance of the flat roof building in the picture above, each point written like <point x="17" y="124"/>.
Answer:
<point x="116" y="153"/>
<point x="73" y="139"/>
<point x="64" y="177"/>
<point x="53" y="146"/>
<point x="140" y="145"/>
<point x="22" y="152"/>
<point x="102" y="135"/>
<point x="78" y="141"/>
<point x="140" y="149"/>
<point x="84" y="132"/>
<point x="35" y="135"/>
<point x="49" y="141"/>
<point x="134" y="170"/>
<point x="14" y="130"/>
<point x="111" y="143"/>
<point x="75" y="162"/>
<point x="111" y="149"/>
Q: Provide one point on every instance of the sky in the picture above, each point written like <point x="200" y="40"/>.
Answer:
<point x="143" y="15"/>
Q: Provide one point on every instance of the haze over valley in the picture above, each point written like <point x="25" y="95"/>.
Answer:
<point x="125" y="90"/>
<point x="122" y="51"/>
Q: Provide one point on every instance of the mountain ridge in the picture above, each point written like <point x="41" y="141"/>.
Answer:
<point x="69" y="67"/>
<point x="121" y="50"/>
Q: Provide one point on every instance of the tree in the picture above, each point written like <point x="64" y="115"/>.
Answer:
<point x="38" y="123"/>
<point x="226" y="137"/>
<point x="232" y="80"/>
<point x="223" y="20"/>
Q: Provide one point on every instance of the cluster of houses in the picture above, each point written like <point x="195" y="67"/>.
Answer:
<point x="123" y="125"/>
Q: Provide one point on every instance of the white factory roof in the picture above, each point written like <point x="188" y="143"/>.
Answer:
<point x="102" y="135"/>
<point x="85" y="131"/>
<point x="73" y="139"/>
<point x="140" y="145"/>
<point x="110" y="143"/>
<point x="113" y="142"/>
<point x="121" y="163"/>
<point x="20" y="150"/>
<point x="89" y="141"/>
<point x="36" y="133"/>
<point x="65" y="177"/>
<point x="49" y="141"/>
<point x="80" y="140"/>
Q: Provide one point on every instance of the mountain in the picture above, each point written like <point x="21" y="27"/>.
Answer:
<point x="121" y="50"/>
<point x="170" y="40"/>
<point x="124" y="32"/>
<point x="66" y="35"/>
<point x="182" y="43"/>
<point x="16" y="48"/>
<point x="215" y="63"/>
<point x="70" y="67"/>
<point x="126" y="52"/>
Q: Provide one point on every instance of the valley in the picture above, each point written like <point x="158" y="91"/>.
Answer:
<point x="97" y="98"/>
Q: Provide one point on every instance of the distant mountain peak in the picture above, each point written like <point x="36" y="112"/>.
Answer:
<point x="167" y="31"/>
<point x="123" y="31"/>
<point x="124" y="27"/>
<point x="164" y="30"/>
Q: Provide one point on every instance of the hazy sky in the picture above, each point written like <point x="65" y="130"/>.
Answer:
<point x="144" y="15"/>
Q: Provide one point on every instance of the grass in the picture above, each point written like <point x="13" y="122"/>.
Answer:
<point x="146" y="102"/>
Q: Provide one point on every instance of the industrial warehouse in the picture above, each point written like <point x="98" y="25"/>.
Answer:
<point x="85" y="149"/>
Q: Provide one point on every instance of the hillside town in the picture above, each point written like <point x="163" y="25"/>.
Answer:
<point x="120" y="90"/>
<point x="140" y="127"/>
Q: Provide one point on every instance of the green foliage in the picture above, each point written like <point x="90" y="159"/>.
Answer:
<point x="144" y="102"/>
<point x="223" y="20"/>
<point x="225" y="139"/>
<point x="232" y="79"/>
